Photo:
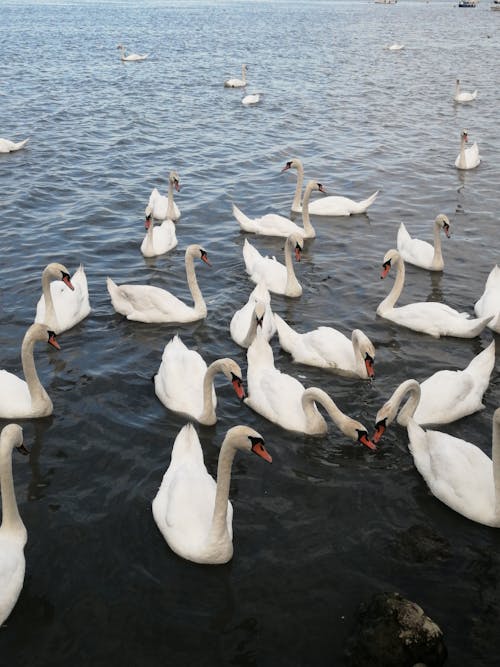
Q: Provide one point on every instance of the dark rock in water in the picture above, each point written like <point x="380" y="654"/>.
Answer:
<point x="394" y="632"/>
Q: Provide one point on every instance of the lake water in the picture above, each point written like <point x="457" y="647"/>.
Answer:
<point x="329" y="523"/>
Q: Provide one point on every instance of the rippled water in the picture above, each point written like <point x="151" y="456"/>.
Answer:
<point x="329" y="523"/>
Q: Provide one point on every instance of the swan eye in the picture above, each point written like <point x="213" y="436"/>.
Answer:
<point x="255" y="441"/>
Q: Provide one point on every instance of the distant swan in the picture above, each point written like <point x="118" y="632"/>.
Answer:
<point x="468" y="158"/>
<point x="238" y="83"/>
<point x="420" y="253"/>
<point x="431" y="317"/>
<point x="489" y="303"/>
<point x="132" y="57"/>
<point x="462" y="96"/>
<point x="272" y="224"/>
<point x="191" y="509"/>
<point x="13" y="534"/>
<point x="326" y="347"/>
<point x="394" y="47"/>
<point x="26" y="399"/>
<point x="277" y="278"/>
<point x="332" y="205"/>
<point x="146" y="303"/>
<point x="457" y="472"/>
<point x="251" y="98"/>
<point x="7" y="146"/>
<point x="256" y="312"/>
<point x="61" y="308"/>
<point x="185" y="384"/>
<point x="161" y="207"/>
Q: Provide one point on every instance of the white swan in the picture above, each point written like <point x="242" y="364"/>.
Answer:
<point x="328" y="348"/>
<point x="238" y="83"/>
<point x="431" y="317"/>
<point x="146" y="303"/>
<point x="192" y="511"/>
<point x="489" y="302"/>
<point x="285" y="401"/>
<point x="256" y="312"/>
<point x="396" y="46"/>
<point x="185" y="384"/>
<point x="13" y="534"/>
<point x="277" y="278"/>
<point x="420" y="253"/>
<point x="457" y="472"/>
<point x="161" y="207"/>
<point x="468" y="158"/>
<point x="25" y="399"/>
<point x="159" y="239"/>
<point x="462" y="96"/>
<point x="272" y="224"/>
<point x="131" y="57"/>
<point x="7" y="146"/>
<point x="61" y="308"/>
<point x="251" y="98"/>
<point x="332" y="205"/>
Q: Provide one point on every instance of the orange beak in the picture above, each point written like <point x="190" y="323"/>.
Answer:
<point x="261" y="451"/>
<point x="385" y="269"/>
<point x="368" y="443"/>
<point x="238" y="388"/>
<point x="66" y="280"/>
<point x="380" y="429"/>
<point x="369" y="366"/>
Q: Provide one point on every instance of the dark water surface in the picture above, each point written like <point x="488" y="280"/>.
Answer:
<point x="330" y="523"/>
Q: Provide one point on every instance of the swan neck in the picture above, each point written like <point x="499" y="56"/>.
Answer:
<point x="218" y="528"/>
<point x="208" y="414"/>
<point x="306" y="221"/>
<point x="298" y="188"/>
<point x="438" y="255"/>
<point x="410" y="388"/>
<point x="314" y="395"/>
<point x="170" y="200"/>
<point x="462" y="163"/>
<point x="391" y="299"/>
<point x="35" y="388"/>
<point x="11" y="519"/>
<point x="359" y="359"/>
<point x="252" y="331"/>
<point x="50" y="313"/>
<point x="199" y="302"/>
<point x="291" y="279"/>
<point x="495" y="455"/>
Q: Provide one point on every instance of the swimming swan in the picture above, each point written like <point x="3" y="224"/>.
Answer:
<point x="326" y="347"/>
<point x="489" y="302"/>
<point x="7" y="146"/>
<point x="61" y="308"/>
<point x="13" y="534"/>
<point x="191" y="509"/>
<point x="256" y="312"/>
<point x="159" y="239"/>
<point x="277" y="278"/>
<point x="431" y="317"/>
<point x="332" y="205"/>
<point x="457" y="472"/>
<point x="251" y="98"/>
<point x="161" y="207"/>
<point x="420" y="253"/>
<point x="462" y="96"/>
<point x="468" y="158"/>
<point x="277" y="225"/>
<point x="238" y="83"/>
<point x="132" y="57"/>
<point x="185" y="384"/>
<point x="146" y="303"/>
<point x="25" y="399"/>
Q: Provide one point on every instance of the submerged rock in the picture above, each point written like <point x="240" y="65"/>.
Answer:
<point x="394" y="632"/>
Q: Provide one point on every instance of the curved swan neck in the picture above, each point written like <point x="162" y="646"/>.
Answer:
<point x="359" y="359"/>
<point x="438" y="255"/>
<point x="170" y="200"/>
<point x="149" y="236"/>
<point x="199" y="302"/>
<point x="291" y="279"/>
<point x="219" y="519"/>
<point x="315" y="395"/>
<point x="208" y="415"/>
<point x="35" y="388"/>
<point x="495" y="456"/>
<point x="298" y="188"/>
<point x="50" y="312"/>
<point x="391" y="299"/>
<point x="252" y="331"/>
<point x="410" y="388"/>
<point x="306" y="221"/>
<point x="11" y="519"/>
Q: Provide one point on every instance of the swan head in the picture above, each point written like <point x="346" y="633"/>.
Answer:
<point x="357" y="432"/>
<point x="196" y="250"/>
<point x="294" y="163"/>
<point x="389" y="257"/>
<point x="232" y="372"/>
<point x="148" y="212"/>
<point x="12" y="435"/>
<point x="40" y="332"/>
<point x="465" y="136"/>
<point x="313" y="185"/>
<point x="56" y="271"/>
<point x="296" y="241"/>
<point x="387" y="413"/>
<point x="248" y="439"/>
<point x="173" y="177"/>
<point x="366" y="349"/>
<point x="443" y="222"/>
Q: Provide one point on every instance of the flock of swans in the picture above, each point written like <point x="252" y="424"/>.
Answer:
<point x="191" y="509"/>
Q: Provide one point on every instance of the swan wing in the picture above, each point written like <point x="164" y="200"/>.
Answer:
<point x="436" y="319"/>
<point x="334" y="205"/>
<point x="489" y="302"/>
<point x="413" y="250"/>
<point x="12" y="568"/>
<point x="147" y="303"/>
<point x="15" y="399"/>
<point x="270" y="224"/>
<point x="445" y="397"/>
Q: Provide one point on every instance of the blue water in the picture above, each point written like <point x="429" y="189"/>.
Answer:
<point x="328" y="524"/>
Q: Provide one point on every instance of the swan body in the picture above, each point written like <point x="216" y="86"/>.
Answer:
<point x="277" y="278"/>
<point x="185" y="384"/>
<point x="457" y="472"/>
<point x="61" y="308"/>
<point x="159" y="239"/>
<point x="489" y="303"/>
<point x="326" y="347"/>
<point x="7" y="146"/>
<point x="332" y="205"/>
<point x="146" y="303"/>
<point x="25" y="399"/>
<point x="251" y="98"/>
<point x="433" y="318"/>
<point x="468" y="158"/>
<point x="191" y="509"/>
<point x="277" y="225"/>
<point x="238" y="83"/>
<point x="420" y="253"/>
<point x="285" y="401"/>
<point x="256" y="312"/>
<point x="131" y="57"/>
<point x="395" y="47"/>
<point x="13" y="534"/>
<point x="161" y="207"/>
<point x="462" y="96"/>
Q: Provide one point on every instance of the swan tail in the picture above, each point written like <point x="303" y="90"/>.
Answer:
<point x="403" y="236"/>
<point x="482" y="322"/>
<point x="187" y="446"/>
<point x="287" y="336"/>
<point x="21" y="144"/>
<point x="244" y="222"/>
<point x="361" y="206"/>
<point x="482" y="366"/>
